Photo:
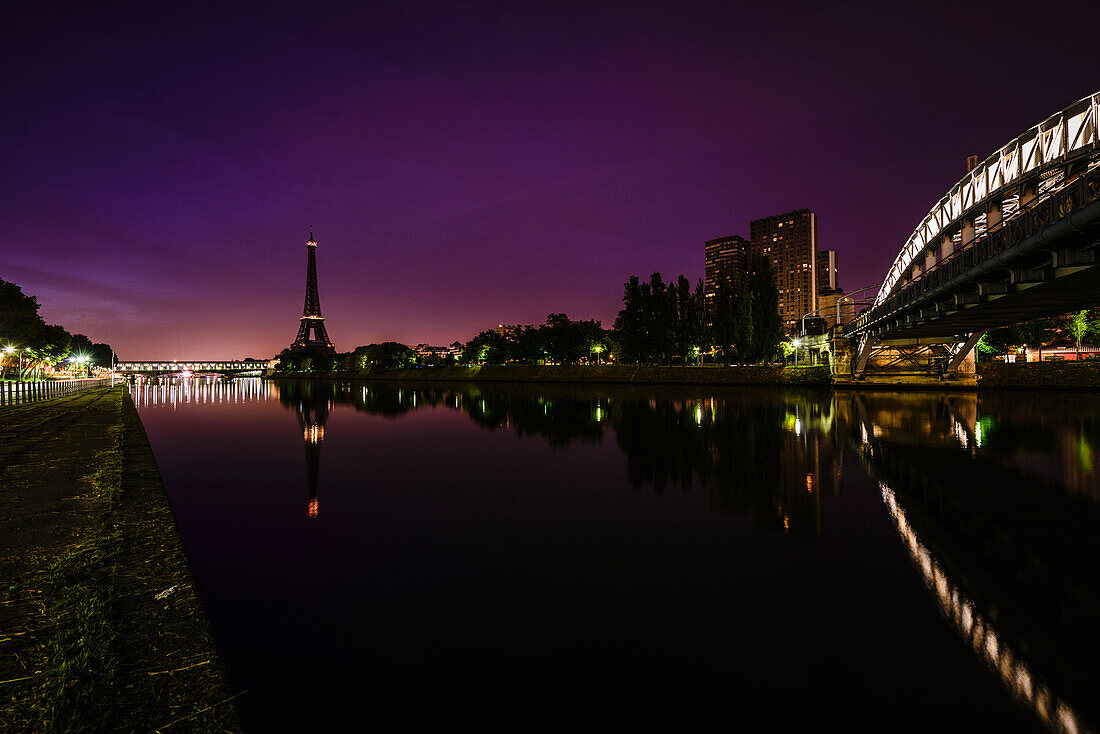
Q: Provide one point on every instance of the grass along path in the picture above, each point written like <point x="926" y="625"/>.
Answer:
<point x="89" y="640"/>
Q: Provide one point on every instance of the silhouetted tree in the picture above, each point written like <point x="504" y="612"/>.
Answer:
<point x="630" y="323"/>
<point x="767" y="325"/>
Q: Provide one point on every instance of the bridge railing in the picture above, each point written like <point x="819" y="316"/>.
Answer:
<point x="1071" y="130"/>
<point x="196" y="366"/>
<point x="1046" y="208"/>
<point x="16" y="393"/>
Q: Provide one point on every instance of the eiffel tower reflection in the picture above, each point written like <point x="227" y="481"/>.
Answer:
<point x="312" y="416"/>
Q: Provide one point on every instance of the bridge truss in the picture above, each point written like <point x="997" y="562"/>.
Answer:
<point x="1014" y="239"/>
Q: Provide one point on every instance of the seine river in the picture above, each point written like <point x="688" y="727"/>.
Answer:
<point x="523" y="555"/>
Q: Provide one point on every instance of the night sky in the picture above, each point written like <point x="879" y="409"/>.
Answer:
<point x="468" y="164"/>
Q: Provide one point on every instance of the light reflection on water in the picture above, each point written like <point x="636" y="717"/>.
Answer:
<point x="775" y="457"/>
<point x="976" y="629"/>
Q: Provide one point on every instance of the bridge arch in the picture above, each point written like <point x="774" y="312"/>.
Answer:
<point x="1016" y="173"/>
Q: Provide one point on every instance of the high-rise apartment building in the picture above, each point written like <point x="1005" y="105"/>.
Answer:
<point x="826" y="271"/>
<point x="727" y="260"/>
<point x="789" y="241"/>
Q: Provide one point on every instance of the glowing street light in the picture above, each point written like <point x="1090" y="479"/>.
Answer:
<point x="9" y="349"/>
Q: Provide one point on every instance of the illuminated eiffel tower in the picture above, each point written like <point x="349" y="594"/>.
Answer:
<point x="311" y="314"/>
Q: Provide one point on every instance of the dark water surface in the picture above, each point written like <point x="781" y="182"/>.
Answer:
<point x="375" y="553"/>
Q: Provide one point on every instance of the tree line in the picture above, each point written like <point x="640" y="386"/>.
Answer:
<point x="662" y="323"/>
<point x="559" y="340"/>
<point x="673" y="322"/>
<point x="39" y="344"/>
<point x="1082" y="327"/>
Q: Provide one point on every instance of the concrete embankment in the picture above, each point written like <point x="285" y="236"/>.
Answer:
<point x="102" y="626"/>
<point x="995" y="376"/>
<point x="596" y="374"/>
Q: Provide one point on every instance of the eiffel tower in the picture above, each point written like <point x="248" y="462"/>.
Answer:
<point x="311" y="314"/>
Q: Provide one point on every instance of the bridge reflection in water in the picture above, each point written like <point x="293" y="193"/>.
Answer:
<point x="994" y="497"/>
<point x="980" y="633"/>
<point x="199" y="390"/>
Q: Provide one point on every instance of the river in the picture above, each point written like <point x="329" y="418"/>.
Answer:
<point x="517" y="555"/>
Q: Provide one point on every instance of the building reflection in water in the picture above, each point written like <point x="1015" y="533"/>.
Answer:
<point x="773" y="455"/>
<point x="994" y="497"/>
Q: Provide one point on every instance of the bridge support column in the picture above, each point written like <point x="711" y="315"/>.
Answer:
<point x="863" y="354"/>
<point x="965" y="349"/>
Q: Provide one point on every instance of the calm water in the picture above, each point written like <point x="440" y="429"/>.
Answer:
<point x="513" y="555"/>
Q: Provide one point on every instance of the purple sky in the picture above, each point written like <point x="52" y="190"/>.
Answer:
<point x="465" y="165"/>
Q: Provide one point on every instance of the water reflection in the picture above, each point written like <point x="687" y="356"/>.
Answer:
<point x="980" y="633"/>
<point x="994" y="497"/>
<point x="774" y="455"/>
<point x="1009" y="554"/>
<point x="311" y="406"/>
<point x="172" y="392"/>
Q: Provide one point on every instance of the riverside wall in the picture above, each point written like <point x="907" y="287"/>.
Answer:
<point x="991" y="376"/>
<point x="1068" y="375"/>
<point x="817" y="376"/>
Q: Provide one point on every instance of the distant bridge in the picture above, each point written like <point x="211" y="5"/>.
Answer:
<point x="225" y="367"/>
<point x="1014" y="240"/>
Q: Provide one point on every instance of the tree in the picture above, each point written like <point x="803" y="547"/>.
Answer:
<point x="724" y="331"/>
<point x="661" y="321"/>
<point x="767" y="329"/>
<point x="689" y="325"/>
<point x="1079" y="327"/>
<point x="1035" y="334"/>
<point x="380" y="357"/>
<point x="630" y="323"/>
<point x="39" y="343"/>
<point x="704" y="339"/>
<point x="661" y="317"/>
<point x="488" y="347"/>
<point x="569" y="341"/>
<point x="309" y="359"/>
<point x="1000" y="340"/>
<point x="744" y="324"/>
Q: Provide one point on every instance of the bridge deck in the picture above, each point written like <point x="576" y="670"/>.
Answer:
<point x="1052" y="298"/>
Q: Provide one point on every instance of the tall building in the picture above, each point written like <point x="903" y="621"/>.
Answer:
<point x="727" y="260"/>
<point x="826" y="271"/>
<point x="789" y="241"/>
<point x="312" y="320"/>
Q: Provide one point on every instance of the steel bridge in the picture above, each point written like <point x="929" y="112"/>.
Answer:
<point x="1014" y="240"/>
<point x="173" y="367"/>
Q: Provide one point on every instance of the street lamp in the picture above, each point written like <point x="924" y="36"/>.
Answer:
<point x="597" y="348"/>
<point x="77" y="360"/>
<point x="19" y="370"/>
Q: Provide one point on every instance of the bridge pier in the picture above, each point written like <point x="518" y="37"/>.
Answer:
<point x="917" y="362"/>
